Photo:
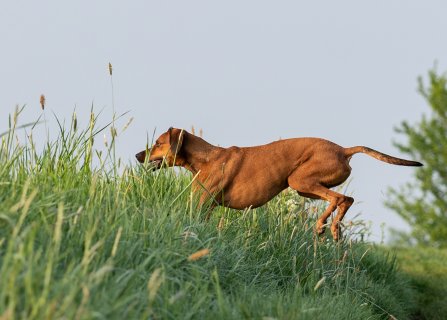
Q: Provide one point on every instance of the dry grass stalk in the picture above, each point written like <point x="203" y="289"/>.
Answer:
<point x="7" y="315"/>
<point x="127" y="124"/>
<point x="221" y="224"/>
<point x="154" y="283"/>
<point x="198" y="255"/>
<point x="85" y="298"/>
<point x="116" y="242"/>
<point x="110" y="69"/>
<point x="319" y="283"/>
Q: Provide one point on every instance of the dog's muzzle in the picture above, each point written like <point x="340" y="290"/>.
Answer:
<point x="154" y="164"/>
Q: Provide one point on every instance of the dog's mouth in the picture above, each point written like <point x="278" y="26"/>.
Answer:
<point x="151" y="164"/>
<point x="155" y="164"/>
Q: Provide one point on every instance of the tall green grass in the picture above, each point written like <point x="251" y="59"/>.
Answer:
<point x="84" y="241"/>
<point x="427" y="270"/>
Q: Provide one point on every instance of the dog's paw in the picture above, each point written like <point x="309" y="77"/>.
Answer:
<point x="336" y="232"/>
<point x="320" y="228"/>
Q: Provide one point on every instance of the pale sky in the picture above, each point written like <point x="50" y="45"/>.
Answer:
<point x="246" y="72"/>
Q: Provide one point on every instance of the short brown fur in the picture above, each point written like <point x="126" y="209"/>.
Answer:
<point x="243" y="177"/>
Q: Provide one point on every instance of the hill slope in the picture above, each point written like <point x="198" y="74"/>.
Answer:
<point x="94" y="243"/>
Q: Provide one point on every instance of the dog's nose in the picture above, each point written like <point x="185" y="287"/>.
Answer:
<point x="140" y="156"/>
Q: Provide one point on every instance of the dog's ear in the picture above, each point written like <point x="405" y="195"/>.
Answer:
<point x="176" y="139"/>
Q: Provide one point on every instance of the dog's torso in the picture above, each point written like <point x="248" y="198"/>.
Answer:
<point x="242" y="177"/>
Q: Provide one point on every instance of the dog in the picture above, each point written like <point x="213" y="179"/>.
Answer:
<point x="248" y="177"/>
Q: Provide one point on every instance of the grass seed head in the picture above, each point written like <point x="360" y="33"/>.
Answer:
<point x="74" y="121"/>
<point x="113" y="132"/>
<point x="105" y="141"/>
<point x="319" y="283"/>
<point x="154" y="283"/>
<point x="110" y="69"/>
<point x="42" y="101"/>
<point x="221" y="224"/>
<point x="199" y="254"/>
<point x="127" y="124"/>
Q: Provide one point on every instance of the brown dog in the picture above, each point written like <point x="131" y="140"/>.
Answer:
<point x="240" y="178"/>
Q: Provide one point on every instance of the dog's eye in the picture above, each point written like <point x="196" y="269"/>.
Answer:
<point x="157" y="144"/>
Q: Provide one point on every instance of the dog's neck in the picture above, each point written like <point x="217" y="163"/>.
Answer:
<point x="196" y="152"/>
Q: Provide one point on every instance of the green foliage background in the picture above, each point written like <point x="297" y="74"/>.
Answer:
<point x="423" y="203"/>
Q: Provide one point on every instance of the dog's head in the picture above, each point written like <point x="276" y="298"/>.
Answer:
<point x="166" y="149"/>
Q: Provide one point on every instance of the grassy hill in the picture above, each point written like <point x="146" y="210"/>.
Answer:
<point x="426" y="269"/>
<point x="79" y="241"/>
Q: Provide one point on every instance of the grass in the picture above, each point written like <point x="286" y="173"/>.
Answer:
<point x="84" y="241"/>
<point x="427" y="269"/>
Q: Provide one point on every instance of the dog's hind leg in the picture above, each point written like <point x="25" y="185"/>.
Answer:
<point x="342" y="209"/>
<point x="336" y="200"/>
<point x="321" y="222"/>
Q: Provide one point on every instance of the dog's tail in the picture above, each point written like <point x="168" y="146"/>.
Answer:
<point x="349" y="152"/>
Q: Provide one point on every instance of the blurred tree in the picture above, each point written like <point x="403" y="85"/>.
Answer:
<point x="423" y="203"/>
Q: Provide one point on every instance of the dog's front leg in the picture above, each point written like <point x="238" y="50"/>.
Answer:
<point x="208" y="200"/>
<point x="204" y="202"/>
